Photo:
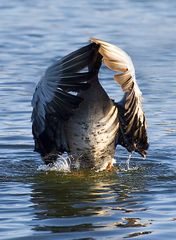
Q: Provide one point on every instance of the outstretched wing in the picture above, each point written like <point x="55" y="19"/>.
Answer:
<point x="55" y="98"/>
<point x="132" y="131"/>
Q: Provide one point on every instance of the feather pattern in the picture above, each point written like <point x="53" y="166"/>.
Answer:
<point x="56" y="96"/>
<point x="132" y="134"/>
<point x="73" y="113"/>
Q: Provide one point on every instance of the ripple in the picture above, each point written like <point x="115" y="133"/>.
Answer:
<point x="48" y="204"/>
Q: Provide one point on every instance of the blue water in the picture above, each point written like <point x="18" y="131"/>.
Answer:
<point x="138" y="204"/>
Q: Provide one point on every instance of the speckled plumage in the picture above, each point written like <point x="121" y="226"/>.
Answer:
<point x="72" y="112"/>
<point x="92" y="131"/>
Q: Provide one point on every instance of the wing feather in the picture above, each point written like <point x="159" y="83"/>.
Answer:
<point x="133" y="129"/>
<point x="56" y="97"/>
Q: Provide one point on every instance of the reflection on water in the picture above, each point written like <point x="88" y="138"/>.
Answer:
<point x="93" y="205"/>
<point x="139" y="203"/>
<point x="81" y="203"/>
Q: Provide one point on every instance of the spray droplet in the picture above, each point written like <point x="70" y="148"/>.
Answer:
<point x="128" y="162"/>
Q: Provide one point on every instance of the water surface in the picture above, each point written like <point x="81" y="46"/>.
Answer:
<point x="137" y="204"/>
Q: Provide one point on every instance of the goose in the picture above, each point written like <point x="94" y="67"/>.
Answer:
<point x="73" y="114"/>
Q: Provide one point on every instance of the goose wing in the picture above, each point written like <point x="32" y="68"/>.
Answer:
<point x="56" y="97"/>
<point x="132" y="129"/>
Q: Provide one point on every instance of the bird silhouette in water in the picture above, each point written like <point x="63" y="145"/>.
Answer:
<point x="73" y="114"/>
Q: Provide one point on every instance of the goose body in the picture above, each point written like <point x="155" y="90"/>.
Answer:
<point x="73" y="113"/>
<point x="91" y="133"/>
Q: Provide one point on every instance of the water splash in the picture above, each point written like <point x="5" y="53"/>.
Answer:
<point x="63" y="164"/>
<point x="127" y="166"/>
<point x="128" y="162"/>
<point x="69" y="163"/>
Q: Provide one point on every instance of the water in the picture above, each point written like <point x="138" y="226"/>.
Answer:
<point x="135" y="204"/>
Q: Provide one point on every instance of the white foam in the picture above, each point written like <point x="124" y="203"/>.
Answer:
<point x="63" y="164"/>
